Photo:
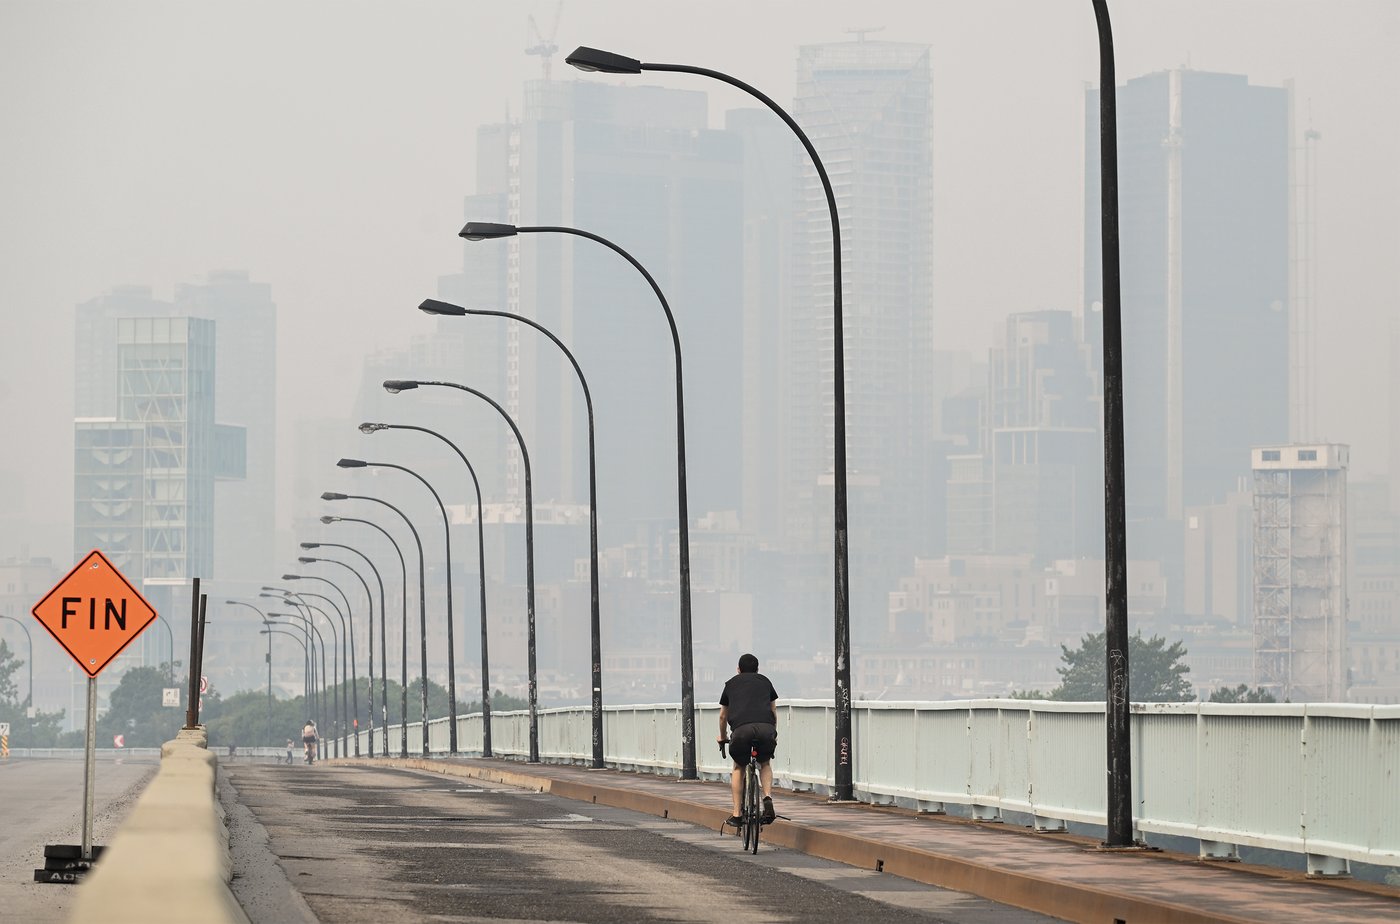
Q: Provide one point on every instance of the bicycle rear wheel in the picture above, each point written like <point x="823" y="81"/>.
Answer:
<point x="753" y="810"/>
<point x="744" y="807"/>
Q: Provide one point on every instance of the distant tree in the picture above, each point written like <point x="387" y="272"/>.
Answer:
<point x="135" y="710"/>
<point x="44" y="730"/>
<point x="1155" y="671"/>
<point x="1241" y="694"/>
<point x="1030" y="694"/>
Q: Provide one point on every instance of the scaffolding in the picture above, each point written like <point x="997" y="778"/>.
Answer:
<point x="1300" y="572"/>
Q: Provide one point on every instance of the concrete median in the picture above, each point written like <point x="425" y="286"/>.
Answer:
<point x="169" y="861"/>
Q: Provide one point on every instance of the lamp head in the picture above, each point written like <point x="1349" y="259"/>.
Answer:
<point x="332" y="495"/>
<point x="352" y="463"/>
<point x="394" y="386"/>
<point x="603" y="62"/>
<point x="372" y="427"/>
<point x="232" y="602"/>
<point x="328" y="520"/>
<point x="306" y="561"/>
<point x="311" y="545"/>
<point x="433" y="306"/>
<point x="486" y="230"/>
<point x="291" y="577"/>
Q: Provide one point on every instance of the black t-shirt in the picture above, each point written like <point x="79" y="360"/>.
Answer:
<point x="749" y="698"/>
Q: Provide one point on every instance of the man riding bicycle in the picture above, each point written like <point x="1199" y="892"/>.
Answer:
<point x="309" y="737"/>
<point x="748" y="719"/>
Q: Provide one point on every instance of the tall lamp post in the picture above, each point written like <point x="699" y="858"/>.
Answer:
<point x="383" y="643"/>
<point x="309" y="690"/>
<point x="262" y="616"/>
<point x="29" y="709"/>
<point x="339" y="693"/>
<point x="348" y="626"/>
<point x="314" y="640"/>
<point x="1119" y="731"/>
<point x="422" y="623"/>
<point x="592" y="59"/>
<point x="311" y="546"/>
<point x="482" y="230"/>
<point x="451" y="645"/>
<point x="481" y="570"/>
<point x="268" y="629"/>
<point x="170" y="637"/>
<point x="435" y="307"/>
<point x="393" y="387"/>
<point x="337" y="680"/>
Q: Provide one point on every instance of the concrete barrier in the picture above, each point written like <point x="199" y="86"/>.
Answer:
<point x="169" y="861"/>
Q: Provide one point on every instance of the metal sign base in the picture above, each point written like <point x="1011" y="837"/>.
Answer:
<point x="64" y="863"/>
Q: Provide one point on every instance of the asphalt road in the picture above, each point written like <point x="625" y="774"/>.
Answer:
<point x="41" y="802"/>
<point x="363" y="844"/>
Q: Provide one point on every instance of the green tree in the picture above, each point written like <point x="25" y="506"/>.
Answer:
<point x="45" y="729"/>
<point x="136" y="712"/>
<point x="1155" y="671"/>
<point x="1241" y="694"/>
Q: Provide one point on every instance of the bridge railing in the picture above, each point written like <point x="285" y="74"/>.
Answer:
<point x="1317" y="779"/>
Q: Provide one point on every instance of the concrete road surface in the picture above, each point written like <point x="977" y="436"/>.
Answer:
<point x="363" y="844"/>
<point x="41" y="802"/>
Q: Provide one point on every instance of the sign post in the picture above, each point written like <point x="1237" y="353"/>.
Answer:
<point x="93" y="613"/>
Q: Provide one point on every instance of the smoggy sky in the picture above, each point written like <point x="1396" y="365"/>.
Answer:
<point x="326" y="147"/>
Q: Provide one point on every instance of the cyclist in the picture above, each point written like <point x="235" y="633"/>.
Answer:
<point x="308" y="740"/>
<point x="748" y="717"/>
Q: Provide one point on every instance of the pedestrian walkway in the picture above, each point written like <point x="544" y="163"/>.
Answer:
<point x="1061" y="875"/>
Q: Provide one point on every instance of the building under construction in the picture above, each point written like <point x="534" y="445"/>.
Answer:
<point x="1300" y="567"/>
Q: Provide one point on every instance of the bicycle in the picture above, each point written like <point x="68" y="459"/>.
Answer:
<point x="751" y="802"/>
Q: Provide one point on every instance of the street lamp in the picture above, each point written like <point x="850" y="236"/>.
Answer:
<point x="339" y="693"/>
<point x="314" y="640"/>
<point x="268" y="630"/>
<point x="435" y="307"/>
<point x="337" y="690"/>
<point x="383" y="643"/>
<point x="1119" y="731"/>
<point x="309" y="693"/>
<point x="422" y="621"/>
<point x="481" y="230"/>
<point x="263" y="617"/>
<point x="451" y="645"/>
<point x="347" y="624"/>
<point x="380" y="581"/>
<point x="606" y="62"/>
<point x="481" y="570"/>
<point x="393" y="387"/>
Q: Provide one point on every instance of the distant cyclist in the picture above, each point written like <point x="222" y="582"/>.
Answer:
<point x="308" y="740"/>
<point x="748" y="717"/>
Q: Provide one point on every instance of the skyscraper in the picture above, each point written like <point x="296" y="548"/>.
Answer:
<point x="865" y="105"/>
<point x="1204" y="203"/>
<point x="640" y="166"/>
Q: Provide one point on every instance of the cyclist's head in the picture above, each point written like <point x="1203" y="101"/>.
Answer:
<point x="748" y="664"/>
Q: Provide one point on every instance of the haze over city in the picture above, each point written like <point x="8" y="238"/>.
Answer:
<point x="327" y="151"/>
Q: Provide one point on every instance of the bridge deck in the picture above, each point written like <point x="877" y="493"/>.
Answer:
<point x="1058" y="874"/>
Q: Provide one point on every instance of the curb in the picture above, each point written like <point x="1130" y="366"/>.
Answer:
<point x="1040" y="894"/>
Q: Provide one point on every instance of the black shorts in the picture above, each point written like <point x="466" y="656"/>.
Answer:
<point x="745" y="738"/>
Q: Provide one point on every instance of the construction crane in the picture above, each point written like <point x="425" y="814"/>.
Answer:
<point x="541" y="44"/>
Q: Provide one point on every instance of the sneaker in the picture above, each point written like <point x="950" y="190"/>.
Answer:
<point x="734" y="821"/>
<point x="768" y="814"/>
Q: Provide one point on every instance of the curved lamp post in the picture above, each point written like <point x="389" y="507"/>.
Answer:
<point x="481" y="230"/>
<point x="451" y="645"/>
<point x="339" y="695"/>
<point x="29" y="710"/>
<point x="314" y="640"/>
<point x="348" y="626"/>
<point x="170" y="637"/>
<point x="435" y="307"/>
<point x="1119" y="731"/>
<point x="311" y="546"/>
<point x="311" y="692"/>
<point x="383" y="643"/>
<point x="592" y="59"/>
<point x="337" y="677"/>
<point x="393" y="387"/>
<point x="422" y="622"/>
<point x="263" y="617"/>
<point x="481" y="569"/>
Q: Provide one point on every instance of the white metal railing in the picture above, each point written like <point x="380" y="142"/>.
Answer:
<point x="1317" y="779"/>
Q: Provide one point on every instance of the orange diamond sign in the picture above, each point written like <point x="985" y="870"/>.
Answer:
<point x="94" y="613"/>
